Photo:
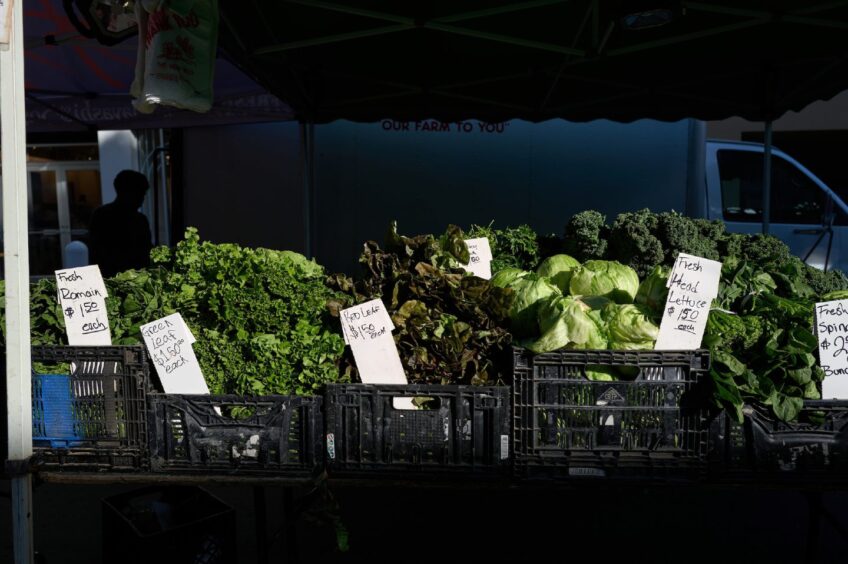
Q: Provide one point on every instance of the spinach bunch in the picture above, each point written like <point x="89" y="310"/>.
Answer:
<point x="766" y="352"/>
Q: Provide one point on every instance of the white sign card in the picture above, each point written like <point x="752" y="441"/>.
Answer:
<point x="367" y="328"/>
<point x="481" y="257"/>
<point x="169" y="342"/>
<point x="832" y="332"/>
<point x="6" y="20"/>
<point x="82" y="295"/>
<point x="692" y="286"/>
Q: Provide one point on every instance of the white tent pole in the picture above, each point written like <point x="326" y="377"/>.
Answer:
<point x="16" y="262"/>
<point x="767" y="178"/>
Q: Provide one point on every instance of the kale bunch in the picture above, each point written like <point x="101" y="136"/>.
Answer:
<point x="643" y="239"/>
<point x="586" y="236"/>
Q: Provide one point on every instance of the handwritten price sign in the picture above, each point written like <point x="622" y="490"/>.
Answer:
<point x="367" y="328"/>
<point x="481" y="257"/>
<point x="169" y="341"/>
<point x="6" y="20"/>
<point x="82" y="294"/>
<point x="692" y="285"/>
<point x="832" y="331"/>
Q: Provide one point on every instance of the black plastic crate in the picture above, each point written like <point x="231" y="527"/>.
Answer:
<point x="180" y="524"/>
<point x="815" y="447"/>
<point x="649" y="426"/>
<point x="421" y="430"/>
<point x="229" y="434"/>
<point x="99" y="420"/>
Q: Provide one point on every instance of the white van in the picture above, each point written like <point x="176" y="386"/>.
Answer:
<point x="805" y="213"/>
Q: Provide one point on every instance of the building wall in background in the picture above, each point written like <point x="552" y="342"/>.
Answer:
<point x="118" y="151"/>
<point x="817" y="136"/>
<point x="819" y="116"/>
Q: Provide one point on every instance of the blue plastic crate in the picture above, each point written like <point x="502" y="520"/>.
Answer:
<point x="53" y="421"/>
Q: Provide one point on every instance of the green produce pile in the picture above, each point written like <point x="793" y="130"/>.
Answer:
<point x="516" y="247"/>
<point x="643" y="240"/>
<point x="760" y="333"/>
<point x="449" y="325"/>
<point x="267" y="321"/>
<point x="591" y="306"/>
<point x="760" y="330"/>
<point x="259" y="315"/>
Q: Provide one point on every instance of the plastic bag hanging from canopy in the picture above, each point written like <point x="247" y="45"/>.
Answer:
<point x="176" y="54"/>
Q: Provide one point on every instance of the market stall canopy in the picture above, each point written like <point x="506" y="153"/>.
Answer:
<point x="74" y="83"/>
<point x="576" y="59"/>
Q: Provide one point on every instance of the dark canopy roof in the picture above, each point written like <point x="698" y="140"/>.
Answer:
<point x="575" y="59"/>
<point x="74" y="83"/>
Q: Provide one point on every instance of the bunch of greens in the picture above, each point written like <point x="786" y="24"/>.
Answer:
<point x="586" y="235"/>
<point x="568" y="305"/>
<point x="760" y="335"/>
<point x="47" y="326"/>
<point x="517" y="247"/>
<point x="259" y="316"/>
<point x="760" y="330"/>
<point x="448" y="323"/>
<point x="644" y="240"/>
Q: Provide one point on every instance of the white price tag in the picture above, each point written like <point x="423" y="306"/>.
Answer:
<point x="168" y="341"/>
<point x="504" y="447"/>
<point x="82" y="295"/>
<point x="832" y="332"/>
<point x="692" y="285"/>
<point x="6" y="20"/>
<point x="366" y="321"/>
<point x="481" y="257"/>
<point x="367" y="328"/>
<point x="189" y="334"/>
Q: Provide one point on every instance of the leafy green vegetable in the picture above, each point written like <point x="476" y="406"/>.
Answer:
<point x="530" y="292"/>
<point x="835" y="295"/>
<point x="449" y="325"/>
<point x="600" y="373"/>
<point x="653" y="292"/>
<point x="558" y="269"/>
<point x="633" y="241"/>
<point x="605" y="278"/>
<point x="630" y="327"/>
<point x="564" y="322"/>
<point x="516" y="247"/>
<point x="766" y="354"/>
<point x="586" y="236"/>
<point x="259" y="315"/>
<point x="506" y="277"/>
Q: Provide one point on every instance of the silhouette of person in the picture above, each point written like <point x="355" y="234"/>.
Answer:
<point x="119" y="233"/>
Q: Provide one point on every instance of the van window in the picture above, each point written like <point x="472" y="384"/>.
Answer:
<point x="795" y="198"/>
